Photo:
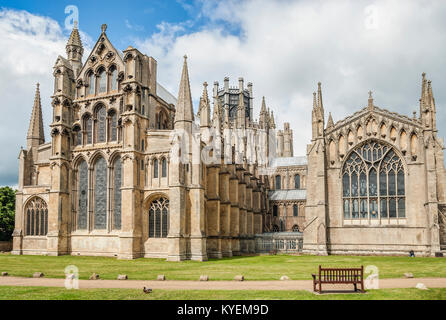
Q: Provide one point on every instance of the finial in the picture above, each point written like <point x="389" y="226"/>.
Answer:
<point x="104" y="28"/>
<point x="38" y="85"/>
<point x="75" y="24"/>
<point x="185" y="58"/>
<point x="414" y="114"/>
<point x="205" y="84"/>
<point x="424" y="75"/>
<point x="370" y="94"/>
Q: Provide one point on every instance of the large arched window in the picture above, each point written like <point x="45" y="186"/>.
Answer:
<point x="82" y="212"/>
<point x="297" y="181"/>
<point x="100" y="194"/>
<point x="159" y="218"/>
<point x="36" y="217"/>
<point x="117" y="196"/>
<point x="101" y="123"/>
<point x="102" y="81"/>
<point x="278" y="182"/>
<point x="373" y="183"/>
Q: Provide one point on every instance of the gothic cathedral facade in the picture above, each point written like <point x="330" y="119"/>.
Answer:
<point x="111" y="181"/>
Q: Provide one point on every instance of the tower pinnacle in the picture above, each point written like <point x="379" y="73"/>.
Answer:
<point x="35" y="135"/>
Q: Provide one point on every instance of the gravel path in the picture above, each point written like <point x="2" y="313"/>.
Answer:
<point x="210" y="285"/>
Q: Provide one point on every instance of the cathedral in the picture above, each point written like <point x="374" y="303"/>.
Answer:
<point x="131" y="171"/>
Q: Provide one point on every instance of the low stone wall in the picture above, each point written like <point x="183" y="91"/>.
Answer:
<point x="5" y="246"/>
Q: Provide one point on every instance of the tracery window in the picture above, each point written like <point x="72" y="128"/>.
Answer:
<point x="36" y="217"/>
<point x="297" y="181"/>
<point x="117" y="195"/>
<point x="276" y="228"/>
<point x="101" y="116"/>
<point x="159" y="218"/>
<point x="100" y="194"/>
<point x="373" y="183"/>
<point x="82" y="196"/>
<point x="295" y="228"/>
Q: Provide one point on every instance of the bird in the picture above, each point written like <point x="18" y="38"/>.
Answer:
<point x="146" y="290"/>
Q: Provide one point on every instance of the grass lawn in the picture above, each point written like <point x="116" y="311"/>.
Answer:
<point x="42" y="293"/>
<point x="253" y="268"/>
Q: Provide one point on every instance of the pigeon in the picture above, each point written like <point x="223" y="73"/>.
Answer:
<point x="146" y="290"/>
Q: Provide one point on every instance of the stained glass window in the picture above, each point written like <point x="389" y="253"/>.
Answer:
<point x="155" y="168"/>
<point x="100" y="194"/>
<point x="82" y="213"/>
<point x="113" y="127"/>
<point x="159" y="218"/>
<point x="88" y="125"/>
<point x="36" y="217"/>
<point x="117" y="196"/>
<point x="373" y="183"/>
<point x="91" y="83"/>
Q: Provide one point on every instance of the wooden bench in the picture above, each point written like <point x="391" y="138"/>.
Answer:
<point x="353" y="276"/>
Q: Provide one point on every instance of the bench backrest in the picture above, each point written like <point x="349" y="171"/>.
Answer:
<point x="340" y="274"/>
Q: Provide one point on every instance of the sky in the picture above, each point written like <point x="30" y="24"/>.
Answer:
<point x="283" y="47"/>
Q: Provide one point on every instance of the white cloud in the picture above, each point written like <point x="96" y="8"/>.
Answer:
<point x="286" y="47"/>
<point x="30" y="45"/>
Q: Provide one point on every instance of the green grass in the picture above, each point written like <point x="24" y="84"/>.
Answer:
<point x="42" y="293"/>
<point x="253" y="268"/>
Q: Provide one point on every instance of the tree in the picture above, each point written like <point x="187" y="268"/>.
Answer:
<point x="7" y="213"/>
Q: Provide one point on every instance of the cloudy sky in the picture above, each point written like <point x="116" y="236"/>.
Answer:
<point x="284" y="47"/>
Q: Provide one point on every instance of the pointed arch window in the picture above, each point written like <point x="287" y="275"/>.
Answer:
<point x="82" y="197"/>
<point x="91" y="84"/>
<point x="100" y="194"/>
<point x="101" y="123"/>
<point x="164" y="168"/>
<point x="36" y="217"/>
<point x="113" y="126"/>
<point x="102" y="81"/>
<point x="278" y="182"/>
<point x="88" y="125"/>
<point x="77" y="136"/>
<point x="295" y="210"/>
<point x="159" y="218"/>
<point x="155" y="168"/>
<point x="373" y="182"/>
<point x="297" y="181"/>
<point x="113" y="79"/>
<point x="117" y="195"/>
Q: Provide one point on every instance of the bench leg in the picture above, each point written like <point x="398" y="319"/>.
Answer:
<point x="320" y="287"/>
<point x="356" y="287"/>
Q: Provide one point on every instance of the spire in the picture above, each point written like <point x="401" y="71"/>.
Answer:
<point x="75" y="38"/>
<point x="320" y="104"/>
<point x="314" y="100"/>
<point x="272" y="121"/>
<point x="263" y="109"/>
<point x="184" y="111"/>
<point x="35" y="132"/>
<point x="205" y="108"/>
<point x="330" y="122"/>
<point x="370" y="100"/>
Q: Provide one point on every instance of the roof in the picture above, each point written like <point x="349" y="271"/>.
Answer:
<point x="279" y="195"/>
<point x="165" y="95"/>
<point x="292" y="161"/>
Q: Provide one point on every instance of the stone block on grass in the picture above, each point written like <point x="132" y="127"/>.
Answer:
<point x="123" y="277"/>
<point x="4" y="274"/>
<point x="38" y="275"/>
<point x="94" y="276"/>
<point x="284" y="278"/>
<point x="204" y="278"/>
<point x="161" y="277"/>
<point x="239" y="278"/>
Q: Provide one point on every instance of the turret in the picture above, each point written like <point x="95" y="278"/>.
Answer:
<point x="318" y="121"/>
<point x="205" y="108"/>
<point x="75" y="50"/>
